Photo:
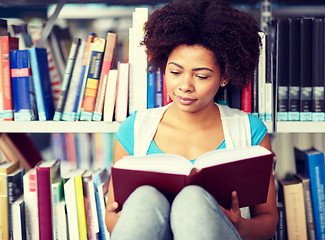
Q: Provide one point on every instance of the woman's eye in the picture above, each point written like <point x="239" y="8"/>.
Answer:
<point x="175" y="73"/>
<point x="201" y="77"/>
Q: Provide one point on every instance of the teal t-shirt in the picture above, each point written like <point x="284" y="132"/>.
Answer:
<point x="125" y="134"/>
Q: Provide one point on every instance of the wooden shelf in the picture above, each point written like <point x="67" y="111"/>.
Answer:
<point x="300" y="127"/>
<point x="58" y="126"/>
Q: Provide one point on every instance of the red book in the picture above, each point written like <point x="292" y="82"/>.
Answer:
<point x="46" y="172"/>
<point x="246" y="98"/>
<point x="245" y="170"/>
<point x="166" y="97"/>
<point x="7" y="44"/>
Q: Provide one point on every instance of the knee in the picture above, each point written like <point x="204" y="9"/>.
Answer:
<point x="190" y="192"/>
<point x="147" y="196"/>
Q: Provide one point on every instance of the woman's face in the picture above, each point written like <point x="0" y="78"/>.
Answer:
<point x="192" y="77"/>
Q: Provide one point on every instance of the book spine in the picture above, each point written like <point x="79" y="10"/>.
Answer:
<point x="31" y="205"/>
<point x="68" y="110"/>
<point x="20" y="84"/>
<point x="99" y="212"/>
<point x="83" y="76"/>
<point x="138" y="63"/>
<point x="281" y="233"/>
<point x="121" y="103"/>
<point x="246" y="98"/>
<point x="159" y="89"/>
<point x="110" y="96"/>
<point x="318" y="101"/>
<point x="18" y="218"/>
<point x="107" y="65"/>
<point x="7" y="44"/>
<point x="44" y="203"/>
<point x="268" y="79"/>
<point x="152" y="79"/>
<point x="15" y="190"/>
<point x="42" y="83"/>
<point x="72" y="214"/>
<point x="261" y="78"/>
<point x="294" y="75"/>
<point x="282" y="74"/>
<point x="167" y="98"/>
<point x="80" y="208"/>
<point x="67" y="78"/>
<point x="95" y="64"/>
<point x="4" y="226"/>
<point x="92" y="201"/>
<point x="306" y="70"/>
<point x="295" y="211"/>
<point x="57" y="197"/>
<point x="254" y="86"/>
<point x="309" y="210"/>
<point x="317" y="187"/>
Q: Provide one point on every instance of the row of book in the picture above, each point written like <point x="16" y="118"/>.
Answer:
<point x="82" y="150"/>
<point x="296" y="56"/>
<point x="301" y="198"/>
<point x="45" y="84"/>
<point x="43" y="204"/>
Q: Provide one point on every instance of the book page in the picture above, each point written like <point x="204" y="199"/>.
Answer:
<point x="222" y="156"/>
<point x="168" y="163"/>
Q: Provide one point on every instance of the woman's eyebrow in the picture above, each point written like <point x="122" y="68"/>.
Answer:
<point x="194" y="69"/>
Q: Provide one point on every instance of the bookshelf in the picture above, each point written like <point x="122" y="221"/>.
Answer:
<point x="59" y="127"/>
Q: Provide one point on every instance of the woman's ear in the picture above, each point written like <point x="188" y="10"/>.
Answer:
<point x="224" y="81"/>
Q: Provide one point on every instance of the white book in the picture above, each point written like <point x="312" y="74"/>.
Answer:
<point x="31" y="205"/>
<point x="110" y="95"/>
<point x="63" y="233"/>
<point x="261" y="79"/>
<point x="18" y="219"/>
<point x="138" y="63"/>
<point x="121" y="104"/>
<point x="71" y="204"/>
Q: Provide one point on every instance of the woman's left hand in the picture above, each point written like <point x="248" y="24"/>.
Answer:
<point x="233" y="213"/>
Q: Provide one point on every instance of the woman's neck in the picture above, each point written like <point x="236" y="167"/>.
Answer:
<point x="203" y="118"/>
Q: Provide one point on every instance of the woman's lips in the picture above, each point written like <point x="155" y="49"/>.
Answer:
<point x="185" y="100"/>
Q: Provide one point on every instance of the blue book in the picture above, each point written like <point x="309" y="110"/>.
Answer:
<point x="42" y="83"/>
<point x="74" y="114"/>
<point x="310" y="164"/>
<point x="22" y="86"/>
<point x="151" y="78"/>
<point x="159" y="91"/>
<point x="101" y="181"/>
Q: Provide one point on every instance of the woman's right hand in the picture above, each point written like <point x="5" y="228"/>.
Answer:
<point x="111" y="216"/>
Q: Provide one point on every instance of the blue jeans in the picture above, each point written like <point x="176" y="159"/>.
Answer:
<point x="194" y="214"/>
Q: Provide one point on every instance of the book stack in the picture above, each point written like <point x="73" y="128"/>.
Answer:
<point x="298" y="54"/>
<point x="302" y="197"/>
<point x="41" y="202"/>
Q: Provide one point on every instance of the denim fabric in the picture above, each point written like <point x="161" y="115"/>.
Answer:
<point x="194" y="214"/>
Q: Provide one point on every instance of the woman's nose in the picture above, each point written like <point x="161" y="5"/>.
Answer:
<point x="186" y="84"/>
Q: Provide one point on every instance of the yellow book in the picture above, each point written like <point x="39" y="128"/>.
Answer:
<point x="5" y="169"/>
<point x="80" y="208"/>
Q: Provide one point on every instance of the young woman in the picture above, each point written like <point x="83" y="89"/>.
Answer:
<point x="201" y="45"/>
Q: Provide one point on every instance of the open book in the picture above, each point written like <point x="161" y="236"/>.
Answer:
<point x="246" y="170"/>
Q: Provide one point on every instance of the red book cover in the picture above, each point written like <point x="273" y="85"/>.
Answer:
<point x="166" y="97"/>
<point x="246" y="98"/>
<point x="7" y="44"/>
<point x="46" y="172"/>
<point x="245" y="170"/>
